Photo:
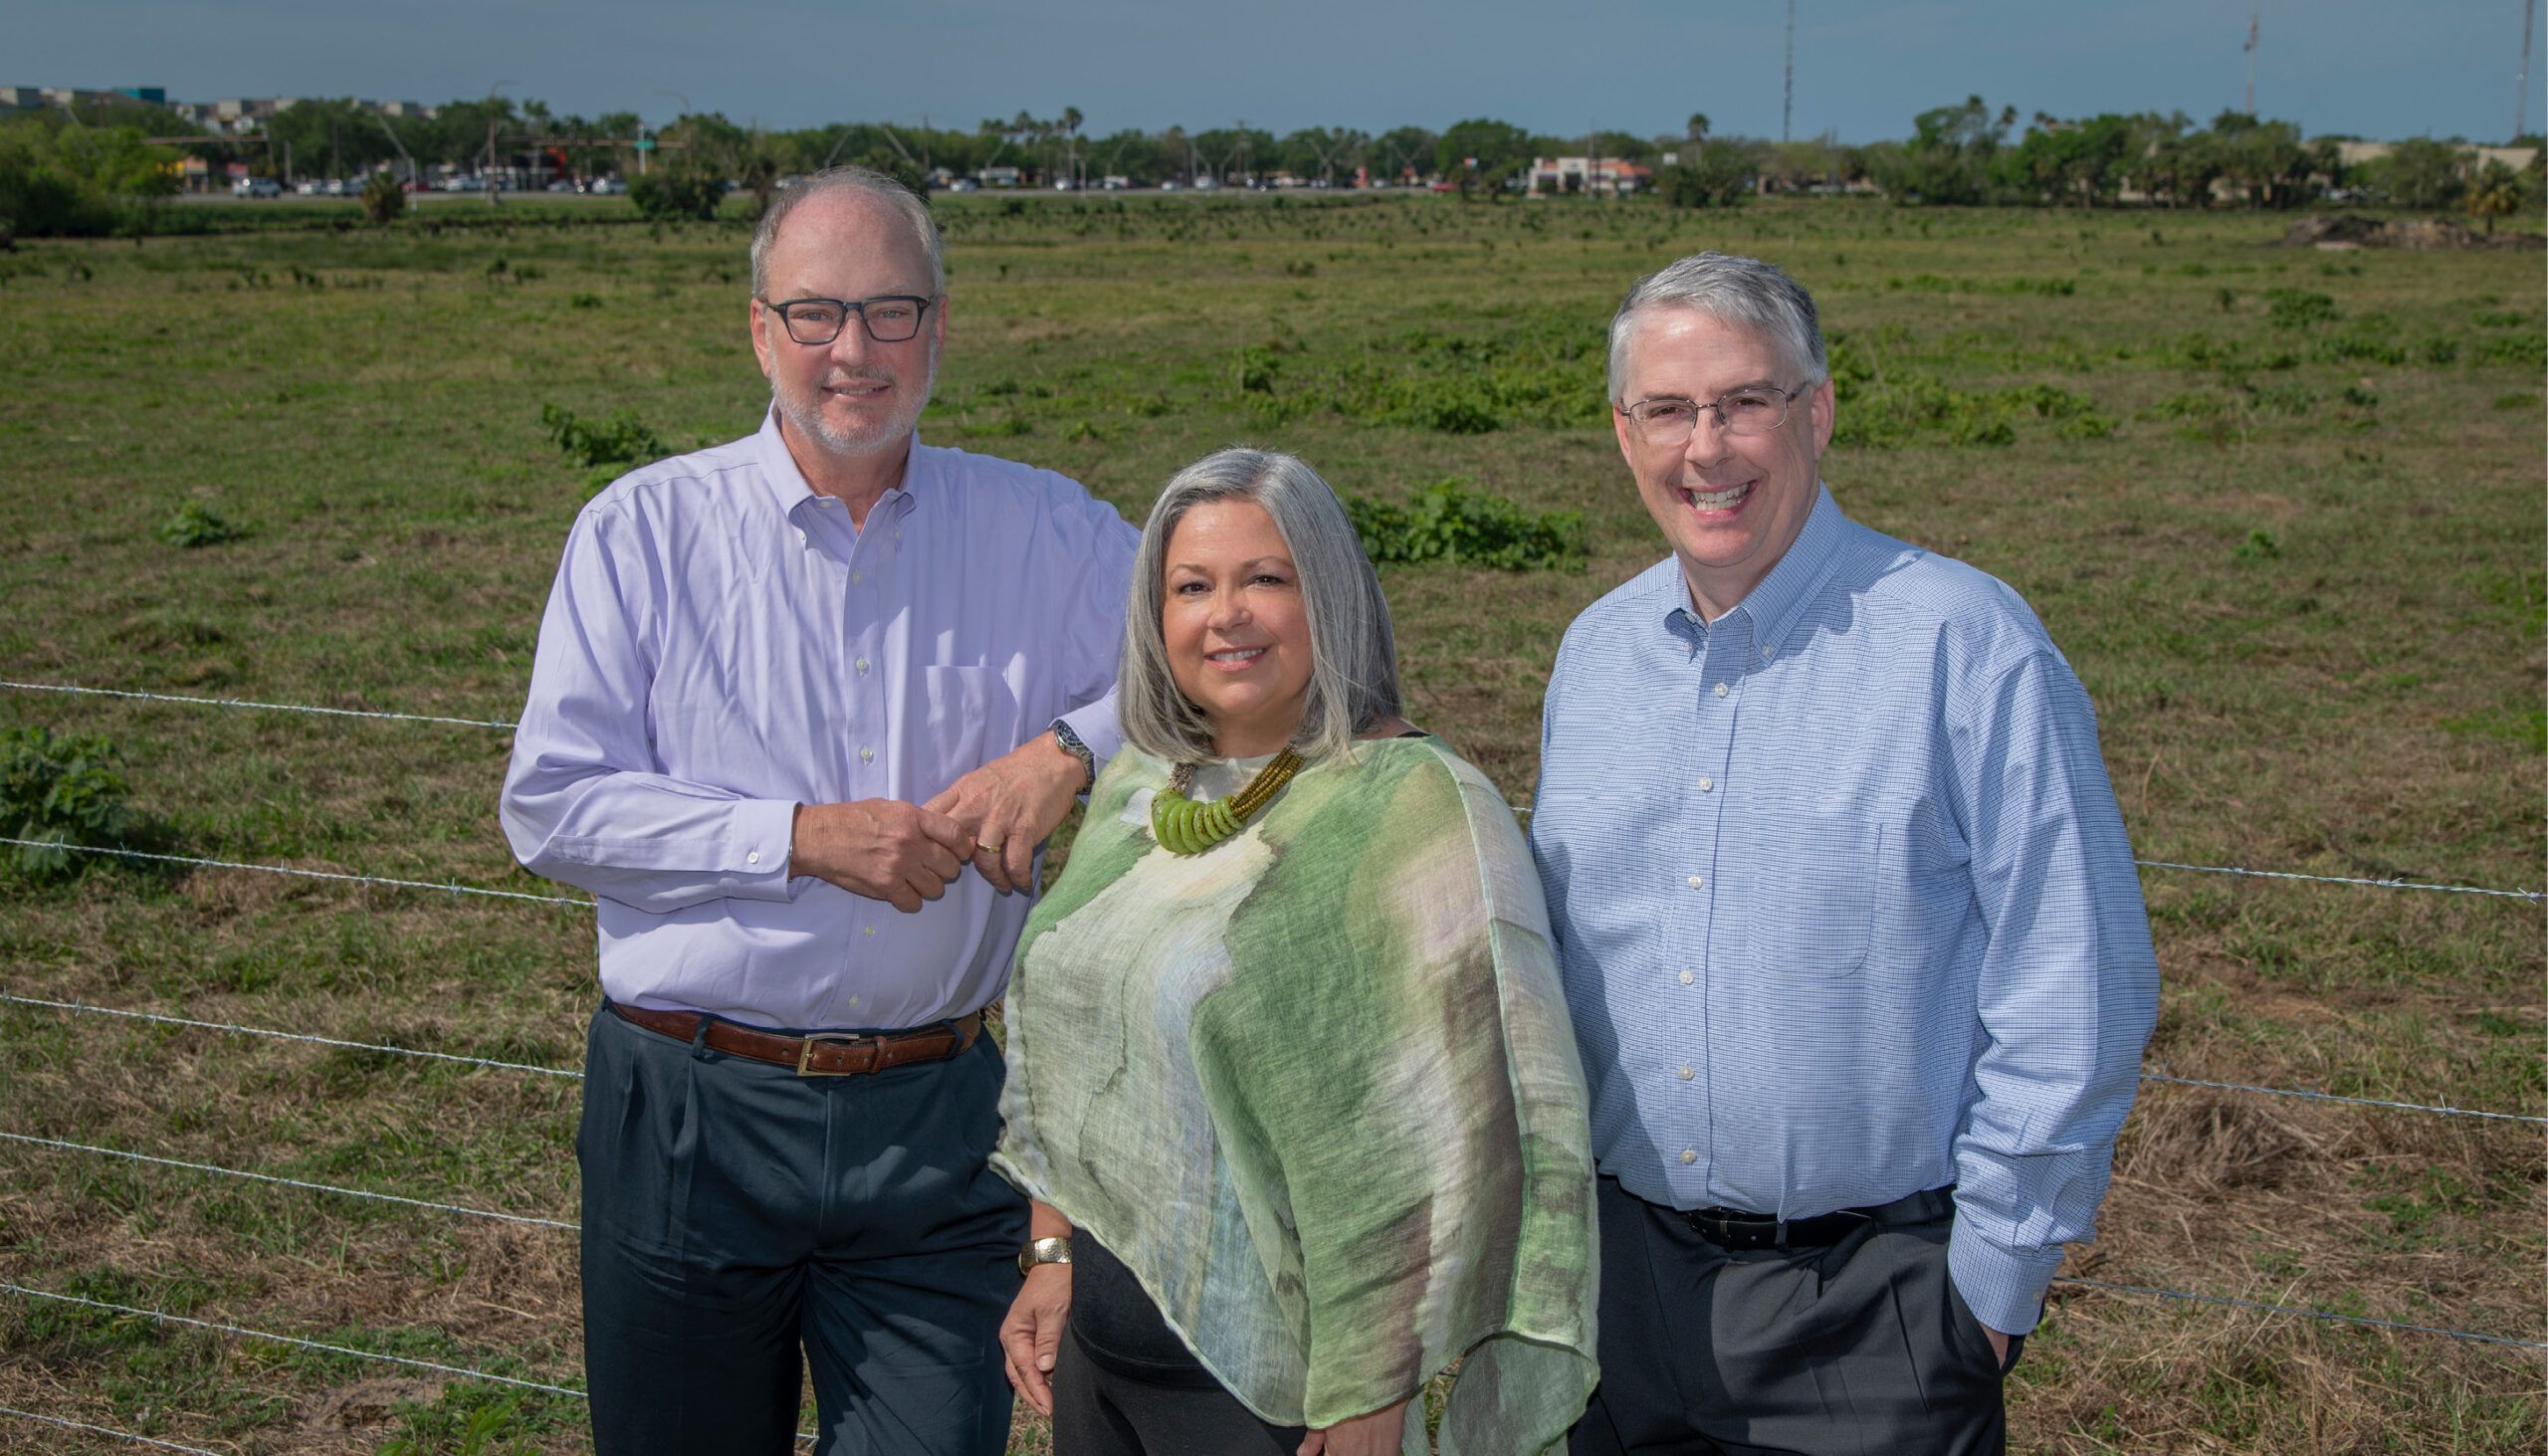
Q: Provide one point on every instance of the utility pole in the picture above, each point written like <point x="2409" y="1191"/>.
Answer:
<point x="2254" y="15"/>
<point x="1786" y="101"/>
<point x="495" y="194"/>
<point x="2521" y="109"/>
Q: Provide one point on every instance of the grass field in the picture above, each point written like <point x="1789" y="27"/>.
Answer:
<point x="2283" y="510"/>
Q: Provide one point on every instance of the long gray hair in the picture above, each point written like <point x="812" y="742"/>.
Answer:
<point x="1353" y="649"/>
<point x="1731" y="289"/>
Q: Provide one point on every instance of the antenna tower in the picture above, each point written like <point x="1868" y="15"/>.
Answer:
<point x="2255" y="14"/>
<point x="2521" y="108"/>
<point x="1786" y="101"/>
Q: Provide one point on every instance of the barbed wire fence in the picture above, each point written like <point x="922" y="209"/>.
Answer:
<point x="457" y="890"/>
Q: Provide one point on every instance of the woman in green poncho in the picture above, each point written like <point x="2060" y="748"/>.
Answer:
<point x="1289" y="1072"/>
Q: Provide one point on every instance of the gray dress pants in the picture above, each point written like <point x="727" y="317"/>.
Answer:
<point x="735" y="1214"/>
<point x="1862" y="1349"/>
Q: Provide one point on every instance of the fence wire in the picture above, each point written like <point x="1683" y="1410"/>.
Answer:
<point x="13" y="1000"/>
<point x="448" y="886"/>
<point x="60" y="1146"/>
<point x="2297" y="1311"/>
<point x="266" y="707"/>
<point x="462" y="1372"/>
<point x="82" y="1425"/>
<point x="2532" y="896"/>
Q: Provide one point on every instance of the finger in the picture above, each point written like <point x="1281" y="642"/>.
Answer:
<point x="946" y="799"/>
<point x="1312" y="1444"/>
<point x="925" y="885"/>
<point x="987" y="860"/>
<point x="946" y="831"/>
<point x="1017" y="860"/>
<point x="945" y="862"/>
<point x="905" y="899"/>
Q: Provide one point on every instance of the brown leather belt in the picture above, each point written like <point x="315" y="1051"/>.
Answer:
<point x="817" y="1054"/>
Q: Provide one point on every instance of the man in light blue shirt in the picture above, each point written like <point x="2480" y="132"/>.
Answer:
<point x="1848" y="926"/>
<point x="789" y="724"/>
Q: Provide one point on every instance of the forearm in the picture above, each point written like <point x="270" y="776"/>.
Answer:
<point x="647" y="840"/>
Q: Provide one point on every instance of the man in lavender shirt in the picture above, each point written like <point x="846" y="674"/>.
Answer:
<point x="790" y="725"/>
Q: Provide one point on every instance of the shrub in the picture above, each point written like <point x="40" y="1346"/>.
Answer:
<point x="1450" y="521"/>
<point x="58" y="789"/>
<point x="620" y="440"/>
<point x="383" y="199"/>
<point x="2298" y="308"/>
<point x="2527" y="349"/>
<point x="198" y="525"/>
<point x="675" y="194"/>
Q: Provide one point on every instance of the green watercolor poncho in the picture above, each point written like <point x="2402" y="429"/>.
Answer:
<point x="1315" y="1088"/>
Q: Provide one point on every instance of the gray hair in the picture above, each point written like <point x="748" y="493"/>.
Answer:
<point x="850" y="179"/>
<point x="1744" y="292"/>
<point x="1353" y="648"/>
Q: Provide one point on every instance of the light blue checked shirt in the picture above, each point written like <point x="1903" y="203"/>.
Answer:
<point x="1843" y="902"/>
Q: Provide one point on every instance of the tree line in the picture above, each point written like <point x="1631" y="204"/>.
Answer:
<point x="60" y="171"/>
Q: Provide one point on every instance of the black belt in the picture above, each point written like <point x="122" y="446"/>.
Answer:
<point x="1733" y="1228"/>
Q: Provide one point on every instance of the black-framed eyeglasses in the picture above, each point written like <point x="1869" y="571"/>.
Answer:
<point x="889" y="317"/>
<point x="1755" y="409"/>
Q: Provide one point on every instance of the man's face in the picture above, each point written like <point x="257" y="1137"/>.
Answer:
<point x="852" y="396"/>
<point x="1730" y="505"/>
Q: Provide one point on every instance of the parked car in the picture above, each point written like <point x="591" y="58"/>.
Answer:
<point x="605" y="186"/>
<point x="561" y="185"/>
<point x="963" y="184"/>
<point x="256" y="187"/>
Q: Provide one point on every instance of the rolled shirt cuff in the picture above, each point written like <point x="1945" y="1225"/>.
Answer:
<point x="2003" y="1286"/>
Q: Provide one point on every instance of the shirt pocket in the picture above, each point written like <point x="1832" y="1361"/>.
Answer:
<point x="1808" y="878"/>
<point x="972" y="717"/>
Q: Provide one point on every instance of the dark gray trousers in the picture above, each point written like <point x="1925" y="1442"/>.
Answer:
<point x="735" y="1214"/>
<point x="1862" y="1349"/>
<point x="1099" y="1411"/>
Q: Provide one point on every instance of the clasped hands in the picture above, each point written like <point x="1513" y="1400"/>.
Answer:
<point x="993" y="818"/>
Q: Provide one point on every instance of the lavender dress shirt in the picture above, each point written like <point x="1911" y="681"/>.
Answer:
<point x="720" y="646"/>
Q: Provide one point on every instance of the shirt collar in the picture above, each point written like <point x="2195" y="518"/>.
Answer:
<point x="1774" y="604"/>
<point x="787" y="485"/>
<point x="1771" y="606"/>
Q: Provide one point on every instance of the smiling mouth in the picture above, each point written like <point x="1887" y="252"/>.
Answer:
<point x="1725" y="500"/>
<point x="1234" y="659"/>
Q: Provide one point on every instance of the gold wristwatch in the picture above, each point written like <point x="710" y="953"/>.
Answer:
<point x="1043" y="1251"/>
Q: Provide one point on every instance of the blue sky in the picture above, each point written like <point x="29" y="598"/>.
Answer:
<point x="2372" y="68"/>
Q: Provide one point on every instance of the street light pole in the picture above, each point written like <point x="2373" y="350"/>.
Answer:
<point x="495" y="194"/>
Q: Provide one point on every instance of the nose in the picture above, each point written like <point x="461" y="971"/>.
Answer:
<point x="1706" y="444"/>
<point x="1229" y="608"/>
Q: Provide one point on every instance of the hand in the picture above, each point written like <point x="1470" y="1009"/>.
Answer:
<point x="880" y="848"/>
<point x="1013" y="803"/>
<point x="1999" y="1347"/>
<point x="1375" y="1434"/>
<point x="1031" y="1337"/>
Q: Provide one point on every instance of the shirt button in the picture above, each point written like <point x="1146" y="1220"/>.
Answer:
<point x="856" y="578"/>
<point x="1689" y="1154"/>
<point x="867" y="930"/>
<point x="1687" y="1073"/>
<point x="853" y="1000"/>
<point x="1768" y="652"/>
<point x="862" y="665"/>
<point x="1706" y="783"/>
<point x="753" y="858"/>
<point x="1688" y="979"/>
<point x="1698" y="882"/>
<point x="800" y="535"/>
<point x="866" y="756"/>
<point x="1722" y="690"/>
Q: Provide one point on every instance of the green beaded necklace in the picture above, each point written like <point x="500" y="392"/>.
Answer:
<point x="1183" y="826"/>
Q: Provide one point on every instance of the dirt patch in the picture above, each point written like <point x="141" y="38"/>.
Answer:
<point x="366" y="1404"/>
<point x="2420" y="234"/>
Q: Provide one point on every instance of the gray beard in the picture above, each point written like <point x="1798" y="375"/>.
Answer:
<point x="807" y="418"/>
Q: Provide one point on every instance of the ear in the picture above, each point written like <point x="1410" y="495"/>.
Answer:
<point x="1822" y="405"/>
<point x="761" y="325"/>
<point x="937" y="324"/>
<point x="1622" y="427"/>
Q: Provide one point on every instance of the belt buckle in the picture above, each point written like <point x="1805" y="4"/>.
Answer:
<point x="805" y="1051"/>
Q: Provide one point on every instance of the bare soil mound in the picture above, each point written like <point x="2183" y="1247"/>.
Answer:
<point x="2423" y="234"/>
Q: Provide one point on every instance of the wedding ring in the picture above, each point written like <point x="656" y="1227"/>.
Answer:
<point x="987" y="848"/>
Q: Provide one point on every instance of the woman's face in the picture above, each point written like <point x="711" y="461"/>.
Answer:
<point x="1237" y="628"/>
